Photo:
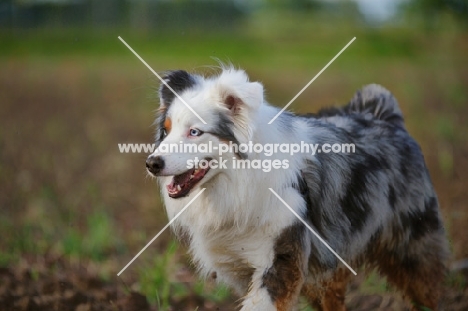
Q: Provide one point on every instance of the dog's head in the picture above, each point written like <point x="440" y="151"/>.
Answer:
<point x="227" y="103"/>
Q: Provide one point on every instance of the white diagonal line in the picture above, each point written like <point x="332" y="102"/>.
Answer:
<point x="162" y="230"/>
<point x="162" y="80"/>
<point x="312" y="230"/>
<point x="310" y="82"/>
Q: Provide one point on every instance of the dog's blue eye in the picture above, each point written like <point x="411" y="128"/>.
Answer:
<point x="195" y="132"/>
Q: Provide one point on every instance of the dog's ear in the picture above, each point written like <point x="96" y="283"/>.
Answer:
<point x="242" y="100"/>
<point x="233" y="103"/>
<point x="177" y="80"/>
<point x="250" y="97"/>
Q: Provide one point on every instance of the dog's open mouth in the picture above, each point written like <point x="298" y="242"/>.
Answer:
<point x="181" y="185"/>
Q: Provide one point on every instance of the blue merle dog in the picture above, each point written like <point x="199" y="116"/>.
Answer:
<point x="375" y="207"/>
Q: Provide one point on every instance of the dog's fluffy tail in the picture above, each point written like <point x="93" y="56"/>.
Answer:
<point x="377" y="101"/>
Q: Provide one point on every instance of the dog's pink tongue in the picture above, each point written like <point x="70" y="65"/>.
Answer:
<point x="172" y="186"/>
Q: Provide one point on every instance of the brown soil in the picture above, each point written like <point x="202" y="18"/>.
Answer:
<point x="53" y="284"/>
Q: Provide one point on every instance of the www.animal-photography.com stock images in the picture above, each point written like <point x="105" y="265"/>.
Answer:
<point x="265" y="155"/>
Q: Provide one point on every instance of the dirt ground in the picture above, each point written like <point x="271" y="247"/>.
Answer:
<point x="54" y="284"/>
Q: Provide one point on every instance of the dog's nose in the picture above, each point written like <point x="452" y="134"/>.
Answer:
<point x="154" y="164"/>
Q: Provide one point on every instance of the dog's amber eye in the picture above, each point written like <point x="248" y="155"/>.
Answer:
<point x="195" y="132"/>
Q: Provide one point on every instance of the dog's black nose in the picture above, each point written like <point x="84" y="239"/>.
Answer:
<point x="154" y="164"/>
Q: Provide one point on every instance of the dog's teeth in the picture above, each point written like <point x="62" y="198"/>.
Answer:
<point x="191" y="177"/>
<point x="179" y="188"/>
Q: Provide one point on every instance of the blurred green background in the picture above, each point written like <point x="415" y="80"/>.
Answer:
<point x="70" y="91"/>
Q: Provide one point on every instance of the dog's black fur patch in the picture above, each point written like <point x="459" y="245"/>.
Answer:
<point x="178" y="80"/>
<point x="223" y="130"/>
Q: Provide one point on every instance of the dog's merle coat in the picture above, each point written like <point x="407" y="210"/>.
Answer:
<point x="375" y="207"/>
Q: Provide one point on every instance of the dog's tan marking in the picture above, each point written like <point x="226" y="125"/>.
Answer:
<point x="328" y="295"/>
<point x="168" y="125"/>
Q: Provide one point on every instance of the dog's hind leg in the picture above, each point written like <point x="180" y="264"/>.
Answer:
<point x="418" y="266"/>
<point x="418" y="271"/>
<point x="328" y="295"/>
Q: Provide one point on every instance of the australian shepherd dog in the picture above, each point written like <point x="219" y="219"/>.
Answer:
<point x="251" y="226"/>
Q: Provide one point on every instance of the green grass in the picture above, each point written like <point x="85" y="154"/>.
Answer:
<point x="98" y="239"/>
<point x="456" y="280"/>
<point x="156" y="281"/>
<point x="154" y="278"/>
<point x="374" y="284"/>
<point x="305" y="46"/>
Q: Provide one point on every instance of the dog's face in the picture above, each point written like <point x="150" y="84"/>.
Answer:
<point x="226" y="103"/>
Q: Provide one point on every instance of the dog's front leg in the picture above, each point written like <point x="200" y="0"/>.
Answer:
<point x="278" y="287"/>
<point x="258" y="297"/>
